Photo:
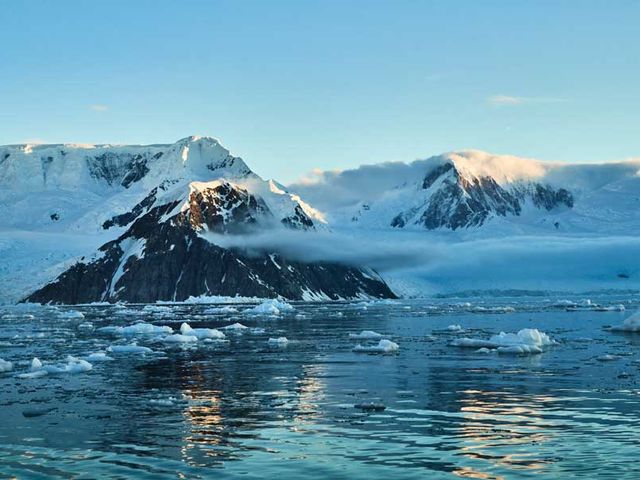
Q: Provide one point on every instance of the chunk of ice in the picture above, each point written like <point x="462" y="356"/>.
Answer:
<point x="201" y="333"/>
<point x="270" y="307"/>
<point x="5" y="366"/>
<point x="128" y="349"/>
<point x="630" y="324"/>
<point x="278" y="342"/>
<point x="384" y="346"/>
<point x="366" y="335"/>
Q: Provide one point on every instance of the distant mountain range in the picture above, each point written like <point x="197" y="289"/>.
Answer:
<point x="138" y="223"/>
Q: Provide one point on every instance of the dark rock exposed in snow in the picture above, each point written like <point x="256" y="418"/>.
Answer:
<point x="162" y="257"/>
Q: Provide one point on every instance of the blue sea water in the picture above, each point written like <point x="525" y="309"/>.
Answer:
<point x="242" y="408"/>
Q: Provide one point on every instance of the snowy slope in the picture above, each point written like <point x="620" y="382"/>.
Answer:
<point x="82" y="196"/>
<point x="477" y="193"/>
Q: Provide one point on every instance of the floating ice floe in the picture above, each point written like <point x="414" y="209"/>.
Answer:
<point x="141" y="328"/>
<point x="179" y="338"/>
<point x="526" y="341"/>
<point x="235" y="327"/>
<point x="98" y="357"/>
<point x="630" y="324"/>
<point x="87" y="326"/>
<point x="270" y="307"/>
<point x="201" y="333"/>
<point x="157" y="309"/>
<point x="132" y="348"/>
<point x="455" y="328"/>
<point x="72" y="365"/>
<point x="384" y="346"/>
<point x="366" y="335"/>
<point x="71" y="315"/>
<point x="5" y="366"/>
<point x="279" y="342"/>
<point x="225" y="309"/>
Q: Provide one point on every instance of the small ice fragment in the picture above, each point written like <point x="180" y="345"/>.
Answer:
<point x="157" y="309"/>
<point x="455" y="328"/>
<point x="98" y="357"/>
<point x="200" y="333"/>
<point x="235" y="327"/>
<point x="366" y="335"/>
<point x="126" y="349"/>
<point x="279" y="342"/>
<point x="85" y="326"/>
<point x="5" y="366"/>
<point x="483" y="350"/>
<point x="630" y="324"/>
<point x="140" y="328"/>
<point x="179" y="338"/>
<point x="270" y="307"/>
<point x="384" y="346"/>
<point x="215" y="310"/>
<point x="163" y="402"/>
<point x="36" y="364"/>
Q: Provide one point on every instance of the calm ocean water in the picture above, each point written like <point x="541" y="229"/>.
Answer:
<point x="244" y="408"/>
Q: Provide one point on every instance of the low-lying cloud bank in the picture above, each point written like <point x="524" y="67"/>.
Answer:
<point x="445" y="264"/>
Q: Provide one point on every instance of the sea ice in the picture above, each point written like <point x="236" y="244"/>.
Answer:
<point x="235" y="327"/>
<point x="270" y="307"/>
<point x="384" y="346"/>
<point x="157" y="309"/>
<point x="72" y="365"/>
<point x="126" y="349"/>
<point x="201" y="333"/>
<point x="98" y="357"/>
<point x="455" y="328"/>
<point x="179" y="338"/>
<point x="71" y="315"/>
<point x="366" y="335"/>
<point x="527" y="340"/>
<point x="141" y="328"/>
<point x="5" y="366"/>
<point x="630" y="324"/>
<point x="279" y="342"/>
<point x="225" y="309"/>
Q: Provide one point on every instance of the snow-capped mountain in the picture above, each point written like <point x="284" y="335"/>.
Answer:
<point x="165" y="222"/>
<point x="148" y="207"/>
<point x="475" y="192"/>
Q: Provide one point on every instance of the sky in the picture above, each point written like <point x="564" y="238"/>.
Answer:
<point x="295" y="85"/>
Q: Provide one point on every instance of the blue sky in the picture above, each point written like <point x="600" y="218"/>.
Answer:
<point x="295" y="85"/>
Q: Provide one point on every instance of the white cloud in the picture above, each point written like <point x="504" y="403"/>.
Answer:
<point x="98" y="107"/>
<point x="511" y="101"/>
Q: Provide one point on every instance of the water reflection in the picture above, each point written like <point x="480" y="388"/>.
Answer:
<point x="243" y="408"/>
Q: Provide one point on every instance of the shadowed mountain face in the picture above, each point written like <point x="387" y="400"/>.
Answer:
<point x="162" y="257"/>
